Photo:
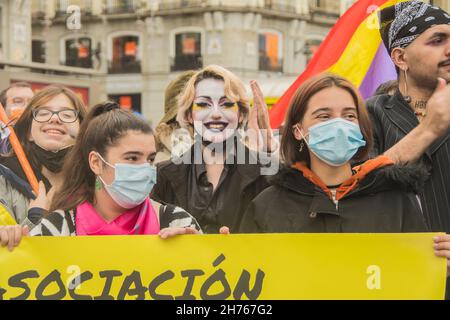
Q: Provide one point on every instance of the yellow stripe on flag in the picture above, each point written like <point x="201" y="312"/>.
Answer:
<point x="357" y="57"/>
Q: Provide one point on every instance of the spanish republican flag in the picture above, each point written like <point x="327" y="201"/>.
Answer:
<point x="353" y="49"/>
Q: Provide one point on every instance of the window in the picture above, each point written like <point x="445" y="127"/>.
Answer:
<point x="130" y="101"/>
<point x="125" y="55"/>
<point x="38" y="51"/>
<point x="78" y="52"/>
<point x="121" y="6"/>
<point x="270" y="51"/>
<point x="311" y="47"/>
<point x="188" y="51"/>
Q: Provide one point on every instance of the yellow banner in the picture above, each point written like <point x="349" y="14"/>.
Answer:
<point x="5" y="217"/>
<point x="271" y="266"/>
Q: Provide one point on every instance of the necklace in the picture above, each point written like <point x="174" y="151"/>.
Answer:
<point x="420" y="113"/>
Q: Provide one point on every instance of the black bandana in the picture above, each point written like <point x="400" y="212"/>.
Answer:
<point x="53" y="161"/>
<point x="404" y="22"/>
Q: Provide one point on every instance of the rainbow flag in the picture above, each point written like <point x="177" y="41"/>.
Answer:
<point x="353" y="49"/>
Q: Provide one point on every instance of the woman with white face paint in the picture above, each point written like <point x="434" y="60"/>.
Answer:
<point x="46" y="130"/>
<point x="219" y="176"/>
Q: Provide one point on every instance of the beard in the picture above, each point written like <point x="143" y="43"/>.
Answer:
<point x="423" y="80"/>
<point x="422" y="77"/>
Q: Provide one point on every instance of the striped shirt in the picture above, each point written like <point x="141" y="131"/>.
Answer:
<point x="62" y="223"/>
<point x="393" y="119"/>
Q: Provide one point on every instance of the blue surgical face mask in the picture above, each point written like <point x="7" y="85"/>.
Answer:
<point x="335" y="141"/>
<point x="132" y="183"/>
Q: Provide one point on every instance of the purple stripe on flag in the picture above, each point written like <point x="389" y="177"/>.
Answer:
<point x="381" y="70"/>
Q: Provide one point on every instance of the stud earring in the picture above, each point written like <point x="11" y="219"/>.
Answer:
<point x="98" y="184"/>
<point x="302" y="144"/>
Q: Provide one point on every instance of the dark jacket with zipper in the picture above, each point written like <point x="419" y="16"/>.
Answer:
<point x="380" y="200"/>
<point x="243" y="183"/>
<point x="392" y="120"/>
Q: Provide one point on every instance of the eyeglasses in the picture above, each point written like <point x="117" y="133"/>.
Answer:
<point x="18" y="102"/>
<point x="65" y="115"/>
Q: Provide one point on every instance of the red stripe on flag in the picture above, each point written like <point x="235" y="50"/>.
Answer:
<point x="328" y="54"/>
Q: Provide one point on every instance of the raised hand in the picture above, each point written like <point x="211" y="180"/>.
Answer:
<point x="260" y="132"/>
<point x="437" y="119"/>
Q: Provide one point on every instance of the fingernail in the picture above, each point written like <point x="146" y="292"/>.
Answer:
<point x="436" y="238"/>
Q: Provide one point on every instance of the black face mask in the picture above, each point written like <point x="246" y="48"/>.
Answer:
<point x="53" y="161"/>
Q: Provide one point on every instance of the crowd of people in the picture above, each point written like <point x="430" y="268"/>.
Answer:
<point x="345" y="164"/>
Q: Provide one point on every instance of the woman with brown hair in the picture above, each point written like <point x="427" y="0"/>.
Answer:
<point x="46" y="130"/>
<point x="327" y="130"/>
<point x="108" y="178"/>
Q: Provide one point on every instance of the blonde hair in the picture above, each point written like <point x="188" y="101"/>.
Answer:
<point x="234" y="90"/>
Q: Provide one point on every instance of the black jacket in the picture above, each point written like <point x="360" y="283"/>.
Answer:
<point x="172" y="187"/>
<point x="382" y="202"/>
<point x="393" y="119"/>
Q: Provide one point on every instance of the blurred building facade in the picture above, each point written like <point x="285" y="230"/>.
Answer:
<point x="129" y="50"/>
